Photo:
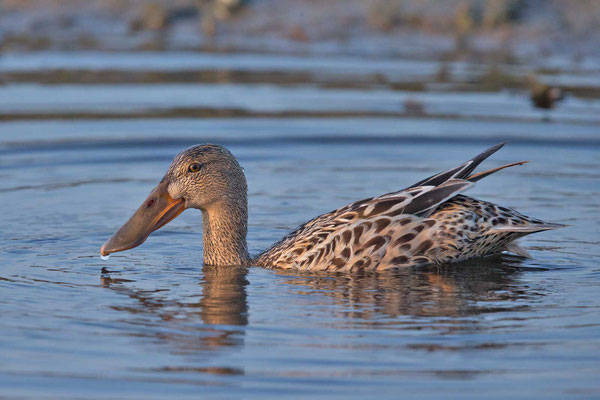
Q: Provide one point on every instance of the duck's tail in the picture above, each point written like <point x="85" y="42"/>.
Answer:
<point x="528" y="227"/>
<point x="532" y="227"/>
<point x="520" y="231"/>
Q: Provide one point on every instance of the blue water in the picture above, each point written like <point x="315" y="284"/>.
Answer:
<point x="153" y="322"/>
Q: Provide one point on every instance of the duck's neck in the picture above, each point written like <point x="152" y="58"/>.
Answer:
<point x="224" y="226"/>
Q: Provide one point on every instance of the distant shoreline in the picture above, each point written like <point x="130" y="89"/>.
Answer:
<point x="452" y="30"/>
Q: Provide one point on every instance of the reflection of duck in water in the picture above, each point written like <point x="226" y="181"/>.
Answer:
<point x="428" y="222"/>
<point x="430" y="291"/>
<point x="221" y="307"/>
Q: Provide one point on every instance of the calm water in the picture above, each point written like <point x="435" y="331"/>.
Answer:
<point x="80" y="149"/>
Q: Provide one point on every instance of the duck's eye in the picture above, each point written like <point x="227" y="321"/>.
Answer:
<point x="195" y="167"/>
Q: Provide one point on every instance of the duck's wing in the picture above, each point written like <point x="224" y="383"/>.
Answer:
<point x="419" y="199"/>
<point x="462" y="171"/>
<point x="428" y="193"/>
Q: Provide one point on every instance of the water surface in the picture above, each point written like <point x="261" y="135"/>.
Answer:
<point x="76" y="160"/>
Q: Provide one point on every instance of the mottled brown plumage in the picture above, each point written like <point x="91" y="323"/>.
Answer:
<point x="423" y="224"/>
<point x="428" y="222"/>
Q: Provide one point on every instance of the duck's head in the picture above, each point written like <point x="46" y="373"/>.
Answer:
<point x="199" y="177"/>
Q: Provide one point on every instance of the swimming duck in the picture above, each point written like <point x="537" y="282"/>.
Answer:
<point x="426" y="223"/>
<point x="546" y="97"/>
<point x="542" y="95"/>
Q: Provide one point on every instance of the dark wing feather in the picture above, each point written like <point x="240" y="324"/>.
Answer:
<point x="460" y="172"/>
<point x="442" y="177"/>
<point x="438" y="188"/>
<point x="478" y="159"/>
<point x="423" y="196"/>
<point x="432" y="198"/>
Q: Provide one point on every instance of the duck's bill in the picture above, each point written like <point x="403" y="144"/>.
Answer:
<point x="156" y="211"/>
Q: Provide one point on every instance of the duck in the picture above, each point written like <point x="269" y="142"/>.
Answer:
<point x="544" y="96"/>
<point x="429" y="222"/>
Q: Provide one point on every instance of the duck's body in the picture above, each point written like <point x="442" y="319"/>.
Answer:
<point x="546" y="97"/>
<point x="542" y="95"/>
<point x="428" y="222"/>
<point x="377" y="235"/>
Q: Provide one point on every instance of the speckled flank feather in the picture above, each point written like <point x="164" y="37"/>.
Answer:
<point x="426" y="223"/>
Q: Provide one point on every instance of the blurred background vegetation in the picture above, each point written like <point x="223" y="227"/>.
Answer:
<point x="449" y="28"/>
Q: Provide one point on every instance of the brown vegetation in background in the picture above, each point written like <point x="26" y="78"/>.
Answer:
<point x="257" y="24"/>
